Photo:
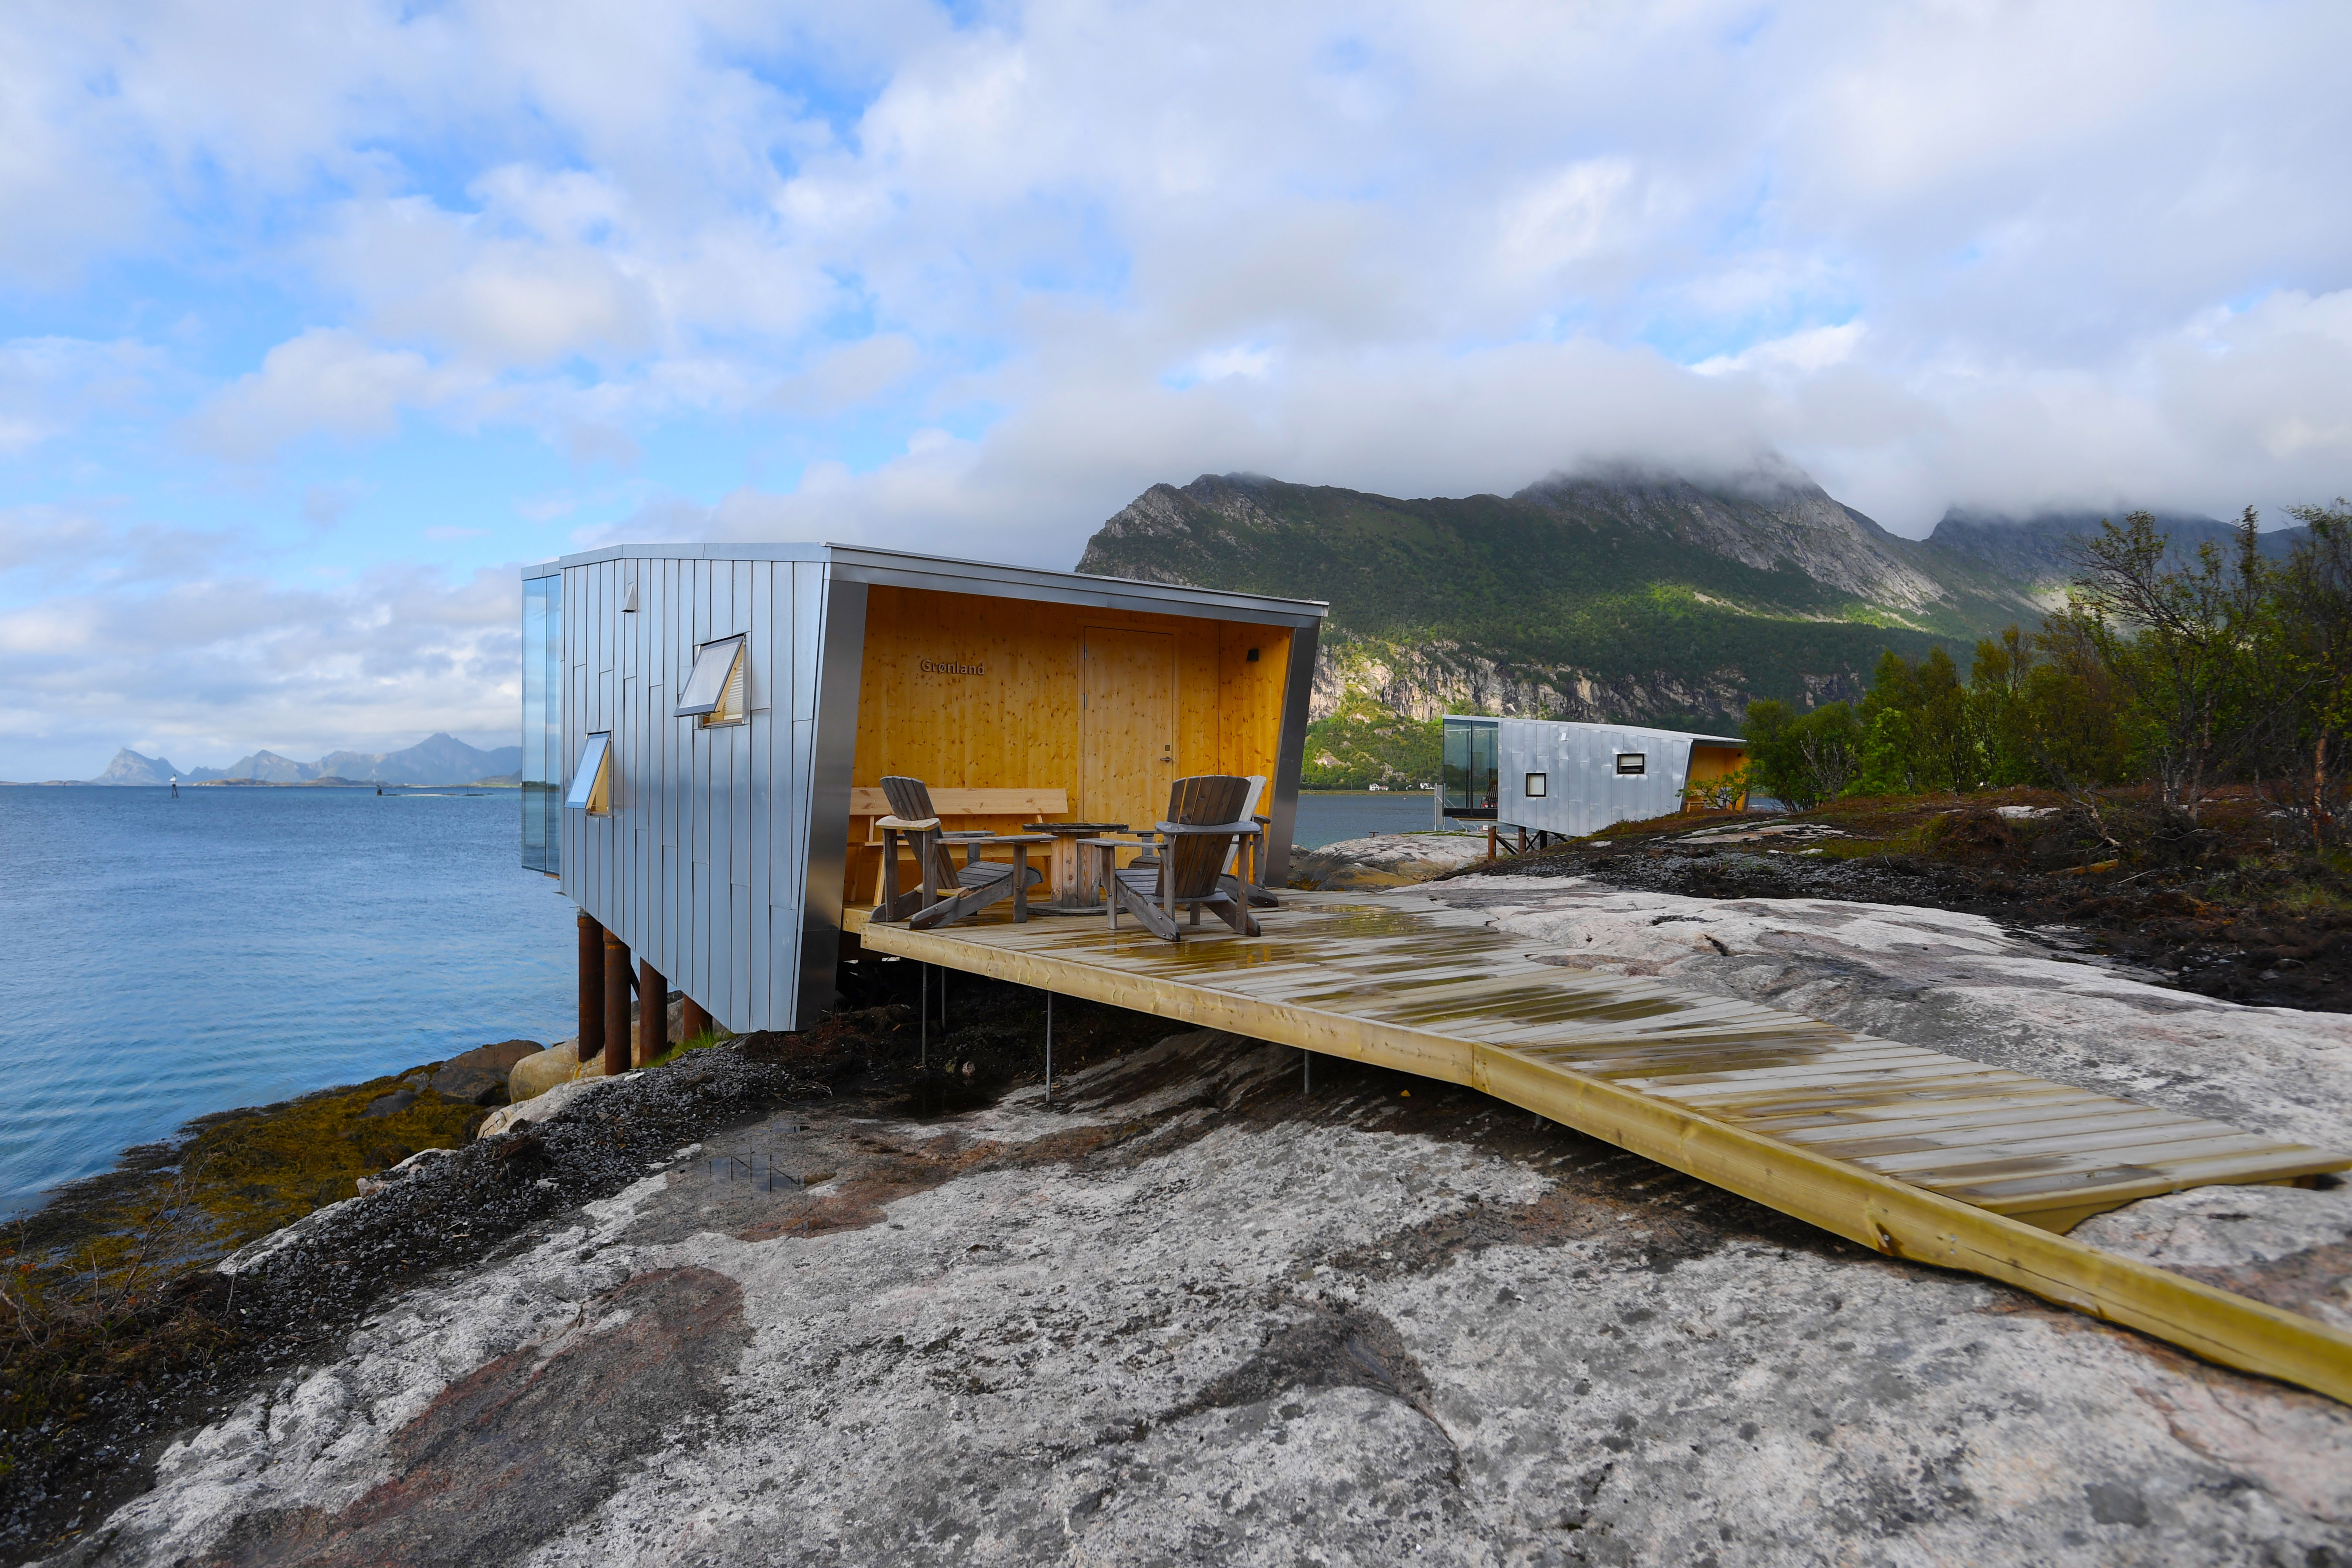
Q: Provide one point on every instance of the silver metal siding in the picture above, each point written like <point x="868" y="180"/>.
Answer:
<point x="1584" y="792"/>
<point x="701" y="866"/>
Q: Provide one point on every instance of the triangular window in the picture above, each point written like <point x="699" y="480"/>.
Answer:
<point x="592" y="784"/>
<point x="714" y="692"/>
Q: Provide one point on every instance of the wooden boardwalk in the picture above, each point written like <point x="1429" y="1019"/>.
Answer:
<point x="1910" y="1152"/>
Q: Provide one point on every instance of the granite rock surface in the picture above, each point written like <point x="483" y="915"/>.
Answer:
<point x="1193" y="1313"/>
<point x="1385" y="861"/>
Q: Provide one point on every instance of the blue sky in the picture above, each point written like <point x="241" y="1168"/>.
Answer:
<point x="316" y="320"/>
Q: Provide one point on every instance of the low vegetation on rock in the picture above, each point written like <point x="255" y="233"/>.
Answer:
<point x="2167" y="675"/>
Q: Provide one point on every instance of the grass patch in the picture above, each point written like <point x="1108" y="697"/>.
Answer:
<point x="702" y="1041"/>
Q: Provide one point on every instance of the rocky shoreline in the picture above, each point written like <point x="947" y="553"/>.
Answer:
<point x="802" y="1299"/>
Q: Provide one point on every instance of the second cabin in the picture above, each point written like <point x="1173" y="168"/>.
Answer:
<point x="1550" y="777"/>
<point x="706" y="730"/>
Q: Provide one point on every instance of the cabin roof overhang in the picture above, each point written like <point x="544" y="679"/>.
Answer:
<point x="944" y="574"/>
<point x="1691" y="735"/>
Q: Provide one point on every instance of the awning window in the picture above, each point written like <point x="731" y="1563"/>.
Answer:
<point x="592" y="784"/>
<point x="714" y="692"/>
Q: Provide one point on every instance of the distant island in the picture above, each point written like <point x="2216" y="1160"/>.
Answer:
<point x="437" y="760"/>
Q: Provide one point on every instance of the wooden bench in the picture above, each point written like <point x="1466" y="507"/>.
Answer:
<point x="958" y="809"/>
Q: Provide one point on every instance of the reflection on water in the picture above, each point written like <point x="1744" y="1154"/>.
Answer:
<point x="237" y="946"/>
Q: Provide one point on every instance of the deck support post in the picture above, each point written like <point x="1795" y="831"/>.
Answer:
<point x="616" y="1006"/>
<point x="653" y="1012"/>
<point x="590" y="1044"/>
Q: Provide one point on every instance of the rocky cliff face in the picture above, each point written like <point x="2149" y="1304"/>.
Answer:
<point x="1431" y="679"/>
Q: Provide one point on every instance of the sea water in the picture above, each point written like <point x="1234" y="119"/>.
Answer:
<point x="1329" y="816"/>
<point x="237" y="946"/>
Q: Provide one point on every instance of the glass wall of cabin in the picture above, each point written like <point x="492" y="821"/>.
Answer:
<point x="542" y="724"/>
<point x="1472" y="780"/>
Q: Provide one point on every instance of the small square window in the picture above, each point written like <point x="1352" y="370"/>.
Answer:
<point x="592" y="783"/>
<point x="714" y="692"/>
<point x="1632" y="762"/>
<point x="1536" y="784"/>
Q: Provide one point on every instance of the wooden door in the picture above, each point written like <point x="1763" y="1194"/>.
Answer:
<point x="1127" y="719"/>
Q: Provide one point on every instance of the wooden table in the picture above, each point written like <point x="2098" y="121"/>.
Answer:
<point x="1077" y="880"/>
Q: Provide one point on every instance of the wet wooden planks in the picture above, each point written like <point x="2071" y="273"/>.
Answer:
<point x="1908" y="1151"/>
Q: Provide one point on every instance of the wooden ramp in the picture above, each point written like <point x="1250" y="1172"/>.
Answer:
<point x="1909" y="1152"/>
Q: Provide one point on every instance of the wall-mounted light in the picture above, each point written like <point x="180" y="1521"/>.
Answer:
<point x="1536" y="784"/>
<point x="1632" y="762"/>
<point x="1251" y="657"/>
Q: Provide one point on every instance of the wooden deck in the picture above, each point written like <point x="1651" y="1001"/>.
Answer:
<point x="1907" y="1150"/>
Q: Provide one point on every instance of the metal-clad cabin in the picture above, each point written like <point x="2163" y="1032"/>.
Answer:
<point x="719" y="827"/>
<point x="1550" y="777"/>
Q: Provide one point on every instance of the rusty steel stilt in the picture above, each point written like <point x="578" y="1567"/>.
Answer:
<point x="692" y="1020"/>
<point x="653" y="1012"/>
<point x="616" y="1006"/>
<point x="592" y="990"/>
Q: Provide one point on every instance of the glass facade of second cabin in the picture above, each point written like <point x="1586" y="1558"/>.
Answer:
<point x="543" y="765"/>
<point x="1472" y="780"/>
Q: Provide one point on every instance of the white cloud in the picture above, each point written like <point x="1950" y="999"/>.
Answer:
<point x="328" y="379"/>
<point x="1798" y="354"/>
<point x="1004" y="274"/>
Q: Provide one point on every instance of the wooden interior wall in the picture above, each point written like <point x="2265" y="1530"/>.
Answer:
<point x="1708" y="763"/>
<point x="1016" y="723"/>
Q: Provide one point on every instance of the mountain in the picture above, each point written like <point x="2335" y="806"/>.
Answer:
<point x="268" y="767"/>
<point x="437" y="759"/>
<point x="1615" y="596"/>
<point x="130" y="768"/>
<point x="2039" y="548"/>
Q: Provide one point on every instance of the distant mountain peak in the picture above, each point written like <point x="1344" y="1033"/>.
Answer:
<point x="130" y="768"/>
<point x="439" y="759"/>
<point x="2039" y="547"/>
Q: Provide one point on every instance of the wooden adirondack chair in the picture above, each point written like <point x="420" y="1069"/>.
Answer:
<point x="1204" y="823"/>
<point x="1245" y="861"/>
<point x="979" y="883"/>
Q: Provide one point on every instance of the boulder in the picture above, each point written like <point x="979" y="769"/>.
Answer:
<point x="392" y="1104"/>
<point x="544" y="1106"/>
<point x="481" y="1075"/>
<point x="535" y="1074"/>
